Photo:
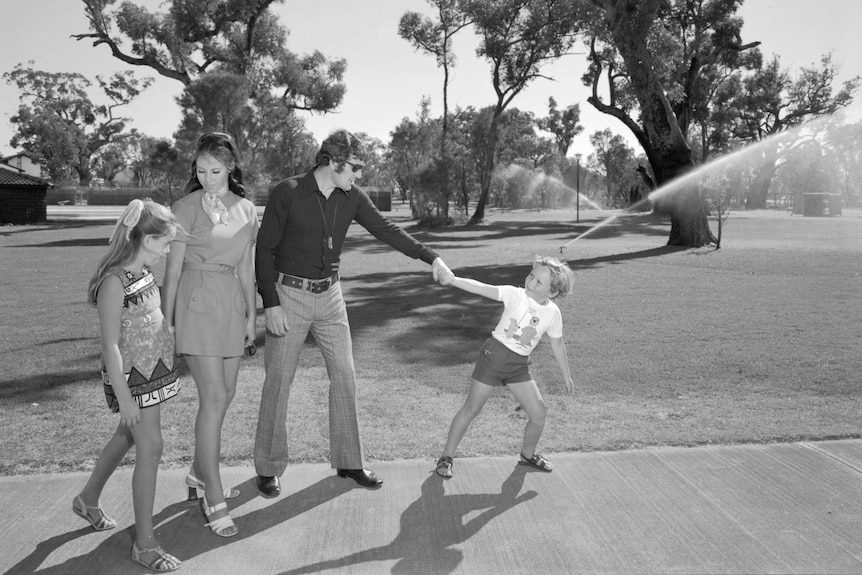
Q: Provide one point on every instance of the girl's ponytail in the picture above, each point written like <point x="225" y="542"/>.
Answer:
<point x="140" y="218"/>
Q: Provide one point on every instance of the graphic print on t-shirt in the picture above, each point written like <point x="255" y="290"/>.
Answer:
<point x="523" y="334"/>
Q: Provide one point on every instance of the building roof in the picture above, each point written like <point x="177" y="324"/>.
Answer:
<point x="17" y="155"/>
<point x="12" y="177"/>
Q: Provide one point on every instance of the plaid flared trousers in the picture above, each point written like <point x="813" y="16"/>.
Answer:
<point x="325" y="315"/>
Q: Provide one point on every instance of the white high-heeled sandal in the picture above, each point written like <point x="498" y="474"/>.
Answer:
<point x="223" y="526"/>
<point x="194" y="484"/>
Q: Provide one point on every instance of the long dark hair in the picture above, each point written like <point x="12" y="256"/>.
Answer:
<point x="221" y="147"/>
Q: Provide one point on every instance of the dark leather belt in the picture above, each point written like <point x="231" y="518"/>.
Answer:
<point x="314" y="286"/>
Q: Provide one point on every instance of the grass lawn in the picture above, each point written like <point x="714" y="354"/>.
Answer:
<point x="758" y="341"/>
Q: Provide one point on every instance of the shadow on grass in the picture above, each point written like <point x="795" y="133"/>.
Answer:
<point x="83" y="242"/>
<point x="459" y="320"/>
<point x="42" y="387"/>
<point x="55" y="226"/>
<point x="464" y="237"/>
<point x="377" y="301"/>
<point x="618" y="258"/>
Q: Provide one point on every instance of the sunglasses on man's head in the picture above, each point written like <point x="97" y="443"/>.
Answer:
<point x="214" y="137"/>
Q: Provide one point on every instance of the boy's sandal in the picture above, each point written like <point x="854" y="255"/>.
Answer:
<point x="537" y="461"/>
<point x="162" y="562"/>
<point x="444" y="467"/>
<point x="101" y="523"/>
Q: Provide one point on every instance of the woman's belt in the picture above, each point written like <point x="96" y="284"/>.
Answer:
<point x="201" y="267"/>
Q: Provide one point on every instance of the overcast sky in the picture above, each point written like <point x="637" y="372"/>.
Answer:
<point x="386" y="78"/>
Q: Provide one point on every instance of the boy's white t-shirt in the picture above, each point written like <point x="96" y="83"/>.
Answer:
<point x="524" y="320"/>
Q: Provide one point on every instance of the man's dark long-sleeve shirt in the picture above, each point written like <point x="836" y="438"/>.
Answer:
<point x="297" y="227"/>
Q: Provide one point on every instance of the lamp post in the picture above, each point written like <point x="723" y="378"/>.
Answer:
<point x="578" y="189"/>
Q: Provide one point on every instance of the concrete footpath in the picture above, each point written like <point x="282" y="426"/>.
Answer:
<point x="780" y="508"/>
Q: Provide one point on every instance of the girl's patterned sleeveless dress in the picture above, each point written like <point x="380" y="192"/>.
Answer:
<point x="146" y="345"/>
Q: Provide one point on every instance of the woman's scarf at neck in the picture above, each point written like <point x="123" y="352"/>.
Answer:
<point x="213" y="206"/>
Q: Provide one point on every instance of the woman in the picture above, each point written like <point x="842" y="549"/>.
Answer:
<point x="209" y="293"/>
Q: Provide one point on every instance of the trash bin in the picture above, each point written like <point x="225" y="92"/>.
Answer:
<point x="381" y="198"/>
<point x="821" y="204"/>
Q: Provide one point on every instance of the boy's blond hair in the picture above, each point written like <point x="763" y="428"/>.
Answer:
<point x="562" y="277"/>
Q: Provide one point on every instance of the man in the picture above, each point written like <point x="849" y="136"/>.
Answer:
<point x="297" y="260"/>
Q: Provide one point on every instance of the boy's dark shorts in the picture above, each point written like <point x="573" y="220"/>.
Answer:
<point x="498" y="365"/>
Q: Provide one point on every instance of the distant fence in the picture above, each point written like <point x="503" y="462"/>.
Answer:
<point x="98" y="196"/>
<point x="120" y="196"/>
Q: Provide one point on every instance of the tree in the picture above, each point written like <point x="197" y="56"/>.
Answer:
<point x="654" y="55"/>
<point x="377" y="172"/>
<point x="224" y="53"/>
<point x="564" y="125"/>
<point x="614" y="160"/>
<point x="165" y="166"/>
<point x="771" y="102"/>
<point x="277" y="145"/>
<point x="59" y="124"/>
<point x="108" y="162"/>
<point x="436" y="39"/>
<point x="410" y="148"/>
<point x="462" y="170"/>
<point x="153" y="162"/>
<point x="519" y="178"/>
<point x="216" y="101"/>
<point x="517" y="36"/>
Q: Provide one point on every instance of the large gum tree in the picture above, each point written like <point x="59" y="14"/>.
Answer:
<point x="230" y="56"/>
<point x="647" y="64"/>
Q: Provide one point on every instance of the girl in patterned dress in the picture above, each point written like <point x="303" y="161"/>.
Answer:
<point x="138" y="371"/>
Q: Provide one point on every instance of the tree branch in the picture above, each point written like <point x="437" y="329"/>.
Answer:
<point x="147" y="61"/>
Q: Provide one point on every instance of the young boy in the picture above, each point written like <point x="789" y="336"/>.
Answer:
<point x="504" y="358"/>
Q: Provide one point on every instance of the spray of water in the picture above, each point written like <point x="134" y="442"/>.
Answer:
<point x="746" y="157"/>
<point x="537" y="179"/>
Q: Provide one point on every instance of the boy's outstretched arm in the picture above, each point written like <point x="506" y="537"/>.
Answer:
<point x="476" y="287"/>
<point x="558" y="346"/>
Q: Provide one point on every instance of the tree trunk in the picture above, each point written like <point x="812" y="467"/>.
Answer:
<point x="629" y="23"/>
<point x="689" y="225"/>
<point x="486" y="169"/>
<point x="444" y="135"/>
<point x="759" y="191"/>
<point x="84" y="173"/>
<point x="465" y="191"/>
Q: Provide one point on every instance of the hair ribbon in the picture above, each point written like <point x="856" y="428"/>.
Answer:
<point x="131" y="217"/>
